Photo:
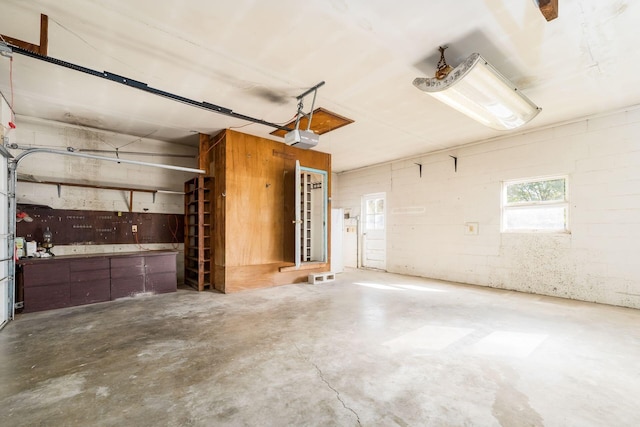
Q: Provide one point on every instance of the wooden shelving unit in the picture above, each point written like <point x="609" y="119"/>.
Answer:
<point x="305" y="216"/>
<point x="197" y="232"/>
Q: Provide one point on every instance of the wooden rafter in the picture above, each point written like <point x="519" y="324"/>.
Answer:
<point x="44" y="35"/>
<point x="40" y="49"/>
<point x="548" y="8"/>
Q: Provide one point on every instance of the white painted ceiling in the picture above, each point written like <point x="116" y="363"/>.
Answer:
<point x="255" y="57"/>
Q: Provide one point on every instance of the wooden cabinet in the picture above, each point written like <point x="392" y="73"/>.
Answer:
<point x="160" y="274"/>
<point x="89" y="281"/>
<point x="127" y="276"/>
<point x="66" y="281"/>
<point x="149" y="272"/>
<point x="46" y="286"/>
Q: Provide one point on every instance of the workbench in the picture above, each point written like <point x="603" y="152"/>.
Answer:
<point x="69" y="280"/>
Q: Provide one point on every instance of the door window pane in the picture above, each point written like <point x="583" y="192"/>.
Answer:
<point x="380" y="206"/>
<point x="370" y="224"/>
<point x="371" y="206"/>
<point x="379" y="221"/>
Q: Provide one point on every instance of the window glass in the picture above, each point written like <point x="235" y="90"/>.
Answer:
<point x="379" y="206"/>
<point x="379" y="221"/>
<point x="371" y="222"/>
<point x="374" y="216"/>
<point x="536" y="191"/>
<point x="535" y="205"/>
<point x="371" y="206"/>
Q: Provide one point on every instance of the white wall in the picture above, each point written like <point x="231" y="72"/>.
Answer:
<point x="40" y="133"/>
<point x="597" y="261"/>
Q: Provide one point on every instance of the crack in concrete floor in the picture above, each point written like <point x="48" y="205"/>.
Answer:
<point x="324" y="380"/>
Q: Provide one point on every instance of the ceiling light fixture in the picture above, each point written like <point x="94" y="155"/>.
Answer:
<point x="478" y="90"/>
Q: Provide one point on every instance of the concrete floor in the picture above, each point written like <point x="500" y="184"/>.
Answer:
<point x="368" y="349"/>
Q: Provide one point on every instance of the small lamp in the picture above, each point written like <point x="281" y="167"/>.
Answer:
<point x="478" y="90"/>
<point x="47" y="241"/>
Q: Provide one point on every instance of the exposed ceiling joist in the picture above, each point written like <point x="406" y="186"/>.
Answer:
<point x="40" y="49"/>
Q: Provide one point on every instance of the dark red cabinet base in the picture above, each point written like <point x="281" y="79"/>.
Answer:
<point x="65" y="281"/>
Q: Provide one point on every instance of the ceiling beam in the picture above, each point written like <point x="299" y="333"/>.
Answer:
<point x="548" y="8"/>
<point x="44" y="35"/>
<point x="40" y="49"/>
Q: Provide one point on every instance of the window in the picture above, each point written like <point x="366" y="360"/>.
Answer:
<point x="374" y="215"/>
<point x="536" y="204"/>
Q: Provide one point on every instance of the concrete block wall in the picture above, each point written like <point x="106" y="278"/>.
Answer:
<point x="32" y="132"/>
<point x="597" y="261"/>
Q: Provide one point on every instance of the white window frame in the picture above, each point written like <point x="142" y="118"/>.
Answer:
<point x="509" y="206"/>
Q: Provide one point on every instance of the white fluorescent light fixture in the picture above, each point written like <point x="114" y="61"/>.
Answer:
<point x="478" y="90"/>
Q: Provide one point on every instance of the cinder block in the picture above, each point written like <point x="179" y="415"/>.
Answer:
<point x="316" y="278"/>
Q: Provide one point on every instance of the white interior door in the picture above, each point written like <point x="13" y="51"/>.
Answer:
<point x="374" y="231"/>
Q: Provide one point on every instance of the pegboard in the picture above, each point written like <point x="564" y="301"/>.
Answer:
<point x="75" y="227"/>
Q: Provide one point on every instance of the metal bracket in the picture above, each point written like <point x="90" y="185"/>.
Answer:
<point x="455" y="163"/>
<point x="3" y="149"/>
<point x="419" y="168"/>
<point x="5" y="50"/>
<point x="300" y="114"/>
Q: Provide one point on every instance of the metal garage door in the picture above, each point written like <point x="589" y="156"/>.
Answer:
<point x="6" y="239"/>
<point x="6" y="253"/>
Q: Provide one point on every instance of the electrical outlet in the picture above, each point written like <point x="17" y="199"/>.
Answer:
<point x="134" y="228"/>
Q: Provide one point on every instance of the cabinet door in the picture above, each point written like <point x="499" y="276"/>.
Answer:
<point x="127" y="286"/>
<point x="127" y="276"/>
<point x="127" y="266"/>
<point x="89" y="281"/>
<point x="161" y="283"/>
<point x="46" y="285"/>
<point x="161" y="273"/>
<point x="38" y="298"/>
